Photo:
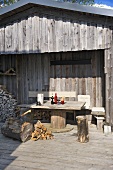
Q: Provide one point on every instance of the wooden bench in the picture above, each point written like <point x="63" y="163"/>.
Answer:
<point x="49" y="94"/>
<point x="99" y="114"/>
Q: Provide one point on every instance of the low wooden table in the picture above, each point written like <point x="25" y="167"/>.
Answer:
<point x="58" y="111"/>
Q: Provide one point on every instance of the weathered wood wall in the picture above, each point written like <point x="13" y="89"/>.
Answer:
<point x="34" y="73"/>
<point x="84" y="79"/>
<point x="7" y="62"/>
<point x="40" y="30"/>
<point x="51" y="30"/>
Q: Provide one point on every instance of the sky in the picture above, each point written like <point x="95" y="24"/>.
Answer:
<point x="106" y="2"/>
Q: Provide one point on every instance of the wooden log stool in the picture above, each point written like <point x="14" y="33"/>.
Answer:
<point x="82" y="129"/>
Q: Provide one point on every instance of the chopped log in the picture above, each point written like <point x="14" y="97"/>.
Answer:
<point x="26" y="131"/>
<point x="16" y="129"/>
<point x="41" y="132"/>
<point x="82" y="127"/>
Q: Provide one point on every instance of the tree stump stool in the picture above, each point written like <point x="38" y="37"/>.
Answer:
<point x="58" y="119"/>
<point x="82" y="129"/>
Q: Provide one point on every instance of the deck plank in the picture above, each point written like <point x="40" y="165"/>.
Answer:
<point x="63" y="152"/>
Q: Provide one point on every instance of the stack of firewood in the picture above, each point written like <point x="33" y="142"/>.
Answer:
<point x="41" y="132"/>
<point x="7" y="104"/>
<point x="42" y="115"/>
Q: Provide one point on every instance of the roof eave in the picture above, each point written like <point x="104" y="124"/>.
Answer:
<point x="57" y="4"/>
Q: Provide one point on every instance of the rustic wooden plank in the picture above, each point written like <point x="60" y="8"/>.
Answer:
<point x="39" y="73"/>
<point x="75" y="35"/>
<point x="18" y="79"/>
<point x="100" y="35"/>
<point x="25" y="75"/>
<point x="98" y="88"/>
<point x="46" y="35"/>
<point x="101" y="79"/>
<point x="65" y="35"/>
<point x="60" y="34"/>
<point x="24" y="34"/>
<point x="52" y="74"/>
<point x="8" y="38"/>
<point x="36" y="33"/>
<point x="58" y="75"/>
<point x="78" y="37"/>
<point x="70" y="72"/>
<point x="20" y="38"/>
<point x="107" y="84"/>
<point x="42" y="34"/>
<point x="28" y="34"/>
<point x="67" y="88"/>
<point x="88" y="36"/>
<point x="56" y="34"/>
<point x="93" y="80"/>
<point x="94" y="35"/>
<point x="50" y="93"/>
<point x="68" y="36"/>
<point x="63" y="82"/>
<point x="15" y="40"/>
<point x="50" y="34"/>
<point x="68" y="105"/>
<point x="84" y="35"/>
<point x="2" y="42"/>
<point x="111" y="86"/>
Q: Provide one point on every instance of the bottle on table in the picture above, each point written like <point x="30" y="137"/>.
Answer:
<point x="55" y="98"/>
<point x="62" y="100"/>
<point x="52" y="102"/>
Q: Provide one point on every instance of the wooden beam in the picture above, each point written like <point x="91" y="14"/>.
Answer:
<point x="51" y="93"/>
<point x="70" y="62"/>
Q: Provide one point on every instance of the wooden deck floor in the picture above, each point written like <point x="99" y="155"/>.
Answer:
<point x="61" y="153"/>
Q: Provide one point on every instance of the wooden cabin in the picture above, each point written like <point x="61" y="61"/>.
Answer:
<point x="57" y="47"/>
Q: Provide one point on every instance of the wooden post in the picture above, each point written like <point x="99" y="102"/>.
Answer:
<point x="111" y="87"/>
<point x="82" y="126"/>
<point x="107" y="84"/>
<point x="58" y="119"/>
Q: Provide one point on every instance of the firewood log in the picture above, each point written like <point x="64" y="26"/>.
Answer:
<point x="15" y="128"/>
<point x="82" y="127"/>
<point x="41" y="132"/>
<point x="26" y="131"/>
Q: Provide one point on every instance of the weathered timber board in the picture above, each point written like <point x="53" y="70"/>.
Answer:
<point x="66" y="32"/>
<point x="69" y="105"/>
<point x="17" y="156"/>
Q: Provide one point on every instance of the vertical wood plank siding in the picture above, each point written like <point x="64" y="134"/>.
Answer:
<point x="34" y="72"/>
<point x="7" y="62"/>
<point x="38" y="35"/>
<point x="43" y="33"/>
<point x="85" y="79"/>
